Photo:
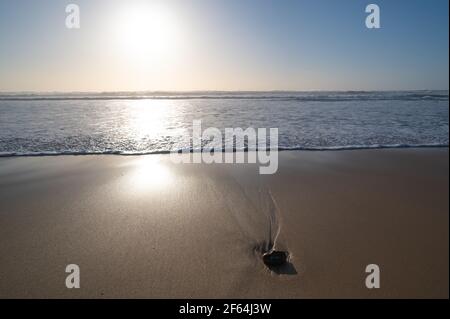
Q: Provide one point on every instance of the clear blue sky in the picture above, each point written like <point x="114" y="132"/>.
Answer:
<point x="224" y="45"/>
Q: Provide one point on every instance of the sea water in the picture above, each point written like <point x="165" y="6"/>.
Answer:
<point x="159" y="122"/>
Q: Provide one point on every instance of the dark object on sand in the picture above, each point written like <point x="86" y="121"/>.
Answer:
<point x="275" y="258"/>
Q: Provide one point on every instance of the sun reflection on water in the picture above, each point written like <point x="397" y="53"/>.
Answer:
<point x="148" y="118"/>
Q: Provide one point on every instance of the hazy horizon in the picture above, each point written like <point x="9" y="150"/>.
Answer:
<point x="219" y="91"/>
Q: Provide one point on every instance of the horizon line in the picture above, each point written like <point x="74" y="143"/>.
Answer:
<point x="213" y="91"/>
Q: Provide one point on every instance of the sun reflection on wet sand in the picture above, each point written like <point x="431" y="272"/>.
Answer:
<point x="148" y="174"/>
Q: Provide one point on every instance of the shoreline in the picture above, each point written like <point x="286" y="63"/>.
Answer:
<point x="281" y="149"/>
<point x="144" y="227"/>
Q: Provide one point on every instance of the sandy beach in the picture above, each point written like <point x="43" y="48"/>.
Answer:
<point x="142" y="226"/>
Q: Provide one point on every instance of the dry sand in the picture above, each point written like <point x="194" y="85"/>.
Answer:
<point x="145" y="227"/>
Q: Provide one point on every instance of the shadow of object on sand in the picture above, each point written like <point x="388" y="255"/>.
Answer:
<point x="287" y="269"/>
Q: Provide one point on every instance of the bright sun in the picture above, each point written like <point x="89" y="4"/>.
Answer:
<point x="146" y="33"/>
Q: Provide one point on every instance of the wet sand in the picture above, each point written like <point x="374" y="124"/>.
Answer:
<point x="146" y="227"/>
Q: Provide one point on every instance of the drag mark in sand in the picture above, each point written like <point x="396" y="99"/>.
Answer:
<point x="274" y="222"/>
<point x="270" y="256"/>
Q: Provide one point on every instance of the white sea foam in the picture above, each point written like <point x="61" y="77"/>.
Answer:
<point x="158" y="122"/>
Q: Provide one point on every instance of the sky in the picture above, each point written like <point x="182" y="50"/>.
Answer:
<point x="187" y="45"/>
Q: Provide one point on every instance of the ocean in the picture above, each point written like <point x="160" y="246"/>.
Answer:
<point x="159" y="122"/>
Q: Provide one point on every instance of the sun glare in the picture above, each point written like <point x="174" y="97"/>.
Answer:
<point x="146" y="33"/>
